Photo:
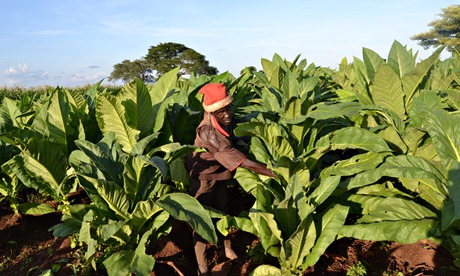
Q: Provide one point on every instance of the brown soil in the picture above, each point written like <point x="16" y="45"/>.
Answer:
<point x="28" y="248"/>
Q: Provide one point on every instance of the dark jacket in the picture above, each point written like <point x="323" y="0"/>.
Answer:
<point x="216" y="163"/>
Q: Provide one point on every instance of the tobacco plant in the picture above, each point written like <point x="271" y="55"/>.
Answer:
<point x="359" y="149"/>
<point x="131" y="176"/>
<point x="43" y="138"/>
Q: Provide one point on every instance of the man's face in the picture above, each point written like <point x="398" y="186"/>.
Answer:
<point x="224" y="115"/>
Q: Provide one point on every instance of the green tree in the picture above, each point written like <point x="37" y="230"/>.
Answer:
<point x="161" y="59"/>
<point x="445" y="31"/>
<point x="128" y="70"/>
<point x="166" y="56"/>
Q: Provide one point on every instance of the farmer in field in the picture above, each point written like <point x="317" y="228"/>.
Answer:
<point x="210" y="170"/>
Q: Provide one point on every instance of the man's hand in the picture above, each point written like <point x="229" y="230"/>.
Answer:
<point x="258" y="168"/>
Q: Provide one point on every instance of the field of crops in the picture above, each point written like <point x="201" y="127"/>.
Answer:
<point x="369" y="151"/>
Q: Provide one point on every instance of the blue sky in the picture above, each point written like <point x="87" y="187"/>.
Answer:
<point x="73" y="43"/>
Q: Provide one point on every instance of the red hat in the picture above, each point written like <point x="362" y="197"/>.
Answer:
<point x="215" y="97"/>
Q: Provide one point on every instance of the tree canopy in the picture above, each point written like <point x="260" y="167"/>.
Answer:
<point x="161" y="59"/>
<point x="128" y="70"/>
<point x="444" y="31"/>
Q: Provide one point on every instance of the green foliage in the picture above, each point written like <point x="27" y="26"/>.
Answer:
<point x="357" y="270"/>
<point x="345" y="152"/>
<point x="444" y="31"/>
<point x="161" y="59"/>
<point x="128" y="70"/>
<point x="368" y="151"/>
<point x="164" y="57"/>
<point x="129" y="175"/>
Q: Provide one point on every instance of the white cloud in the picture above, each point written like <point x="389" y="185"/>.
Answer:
<point x="22" y="75"/>
<point x="81" y="77"/>
<point x="20" y="69"/>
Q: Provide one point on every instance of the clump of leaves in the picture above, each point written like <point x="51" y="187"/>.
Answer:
<point x="357" y="270"/>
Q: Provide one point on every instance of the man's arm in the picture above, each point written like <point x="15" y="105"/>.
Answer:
<point x="257" y="168"/>
<point x="210" y="138"/>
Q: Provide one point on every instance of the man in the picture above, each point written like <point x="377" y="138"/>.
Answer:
<point x="210" y="170"/>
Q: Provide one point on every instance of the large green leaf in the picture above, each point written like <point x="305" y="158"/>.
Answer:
<point x="159" y="113"/>
<point x="179" y="173"/>
<point x="137" y="177"/>
<point x="443" y="127"/>
<point x="35" y="209"/>
<point x="430" y="190"/>
<point x="247" y="179"/>
<point x="356" y="164"/>
<point x="353" y="137"/>
<point x="125" y="262"/>
<point x="400" y="59"/>
<point x="72" y="220"/>
<point x="324" y="190"/>
<point x="269" y="233"/>
<point x="9" y="112"/>
<point x="109" y="230"/>
<point x="388" y="117"/>
<point x="360" y="80"/>
<point x="136" y="99"/>
<point x="268" y="67"/>
<point x="387" y="90"/>
<point x="266" y="270"/>
<point x="113" y="195"/>
<point x="50" y="155"/>
<point x="273" y="135"/>
<point x="266" y="195"/>
<point x="269" y="95"/>
<point x="259" y="150"/>
<point x="229" y="222"/>
<point x="146" y="210"/>
<point x="454" y="191"/>
<point x="402" y="231"/>
<point x="412" y="80"/>
<point x="156" y="162"/>
<point x="298" y="246"/>
<point x="372" y="61"/>
<point x="35" y="175"/>
<point x="306" y="87"/>
<point x="403" y="167"/>
<point x="324" y="111"/>
<point x="90" y="95"/>
<point x="186" y="208"/>
<point x="451" y="210"/>
<point x="78" y="104"/>
<point x="53" y="120"/>
<point x="173" y="151"/>
<point x="139" y="147"/>
<point x="185" y="120"/>
<point x="293" y="110"/>
<point x="296" y="187"/>
<point x="85" y="234"/>
<point x="111" y="117"/>
<point x="112" y="169"/>
<point x="162" y="97"/>
<point x="331" y="223"/>
<point x="164" y="86"/>
<point x="408" y="166"/>
<point x="287" y="217"/>
<point x="379" y="208"/>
